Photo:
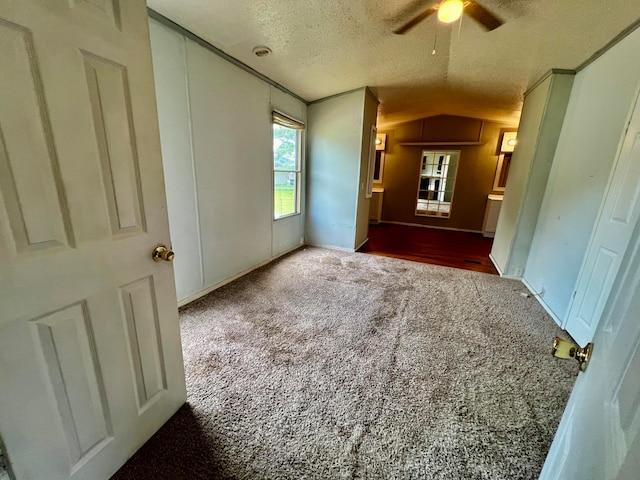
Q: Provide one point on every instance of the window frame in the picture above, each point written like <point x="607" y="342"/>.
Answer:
<point x="284" y="121"/>
<point x="438" y="178"/>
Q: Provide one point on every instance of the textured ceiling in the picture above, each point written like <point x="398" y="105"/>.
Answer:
<point x="324" y="47"/>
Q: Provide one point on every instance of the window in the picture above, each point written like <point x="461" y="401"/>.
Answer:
<point x="287" y="148"/>
<point x="435" y="186"/>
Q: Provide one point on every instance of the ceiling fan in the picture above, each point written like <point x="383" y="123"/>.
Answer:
<point x="451" y="10"/>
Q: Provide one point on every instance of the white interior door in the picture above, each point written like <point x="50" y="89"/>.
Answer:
<point x="598" y="434"/>
<point x="90" y="355"/>
<point x="610" y="238"/>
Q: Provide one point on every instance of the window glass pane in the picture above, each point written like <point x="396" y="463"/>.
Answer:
<point x="285" y="189"/>
<point x="436" y="183"/>
<point x="285" y="148"/>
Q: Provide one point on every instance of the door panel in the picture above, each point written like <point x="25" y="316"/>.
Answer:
<point x="115" y="137"/>
<point x="107" y="11"/>
<point x="604" y="270"/>
<point x="67" y="347"/>
<point x="143" y="334"/>
<point x="90" y="355"/>
<point x="29" y="173"/>
<point x="627" y="196"/>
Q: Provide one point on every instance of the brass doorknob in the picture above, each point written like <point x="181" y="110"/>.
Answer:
<point x="161" y="253"/>
<point x="565" y="349"/>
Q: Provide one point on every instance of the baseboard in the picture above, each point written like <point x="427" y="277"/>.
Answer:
<point x="511" y="277"/>
<point x="508" y="277"/>
<point x="532" y="290"/>
<point x="541" y="301"/>
<point x="430" y="226"/>
<point x="362" y="244"/>
<point x="222" y="283"/>
<point x="495" y="264"/>
<point x="340" y="249"/>
<point x="331" y="247"/>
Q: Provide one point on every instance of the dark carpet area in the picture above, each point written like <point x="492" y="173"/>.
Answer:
<point x="335" y="365"/>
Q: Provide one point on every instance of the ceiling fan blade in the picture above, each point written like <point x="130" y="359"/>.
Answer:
<point x="481" y="15"/>
<point x="414" y="21"/>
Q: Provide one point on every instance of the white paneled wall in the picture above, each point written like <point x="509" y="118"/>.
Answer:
<point x="178" y="161"/>
<point x="595" y="122"/>
<point x="369" y="119"/>
<point x="542" y="116"/>
<point x="232" y="147"/>
<point x="215" y="129"/>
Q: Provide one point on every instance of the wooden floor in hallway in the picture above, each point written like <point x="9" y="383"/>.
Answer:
<point x="468" y="251"/>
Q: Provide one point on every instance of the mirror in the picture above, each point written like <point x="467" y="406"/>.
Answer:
<point x="502" y="171"/>
<point x="378" y="167"/>
<point x="437" y="180"/>
<point x="506" y="146"/>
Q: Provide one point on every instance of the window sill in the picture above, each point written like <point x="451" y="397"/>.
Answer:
<point x="286" y="216"/>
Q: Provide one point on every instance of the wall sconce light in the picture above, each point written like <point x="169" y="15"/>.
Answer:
<point x="508" y="141"/>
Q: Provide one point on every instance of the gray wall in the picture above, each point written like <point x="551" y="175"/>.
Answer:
<point x="334" y="170"/>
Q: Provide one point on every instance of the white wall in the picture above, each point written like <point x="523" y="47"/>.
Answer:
<point x="333" y="170"/>
<point x="215" y="129"/>
<point x="535" y="150"/>
<point x="362" y="215"/>
<point x="594" y="124"/>
<point x="178" y="161"/>
<point x="528" y="131"/>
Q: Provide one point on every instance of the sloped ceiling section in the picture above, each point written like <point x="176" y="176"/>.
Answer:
<point x="324" y="47"/>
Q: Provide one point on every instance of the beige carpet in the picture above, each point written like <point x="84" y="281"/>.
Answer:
<point x="334" y="365"/>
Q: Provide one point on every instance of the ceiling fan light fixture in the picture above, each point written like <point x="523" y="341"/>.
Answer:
<point x="450" y="10"/>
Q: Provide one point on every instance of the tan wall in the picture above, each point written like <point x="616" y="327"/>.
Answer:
<point x="476" y="170"/>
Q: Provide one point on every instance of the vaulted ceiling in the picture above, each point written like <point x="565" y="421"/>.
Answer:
<point x="324" y="47"/>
